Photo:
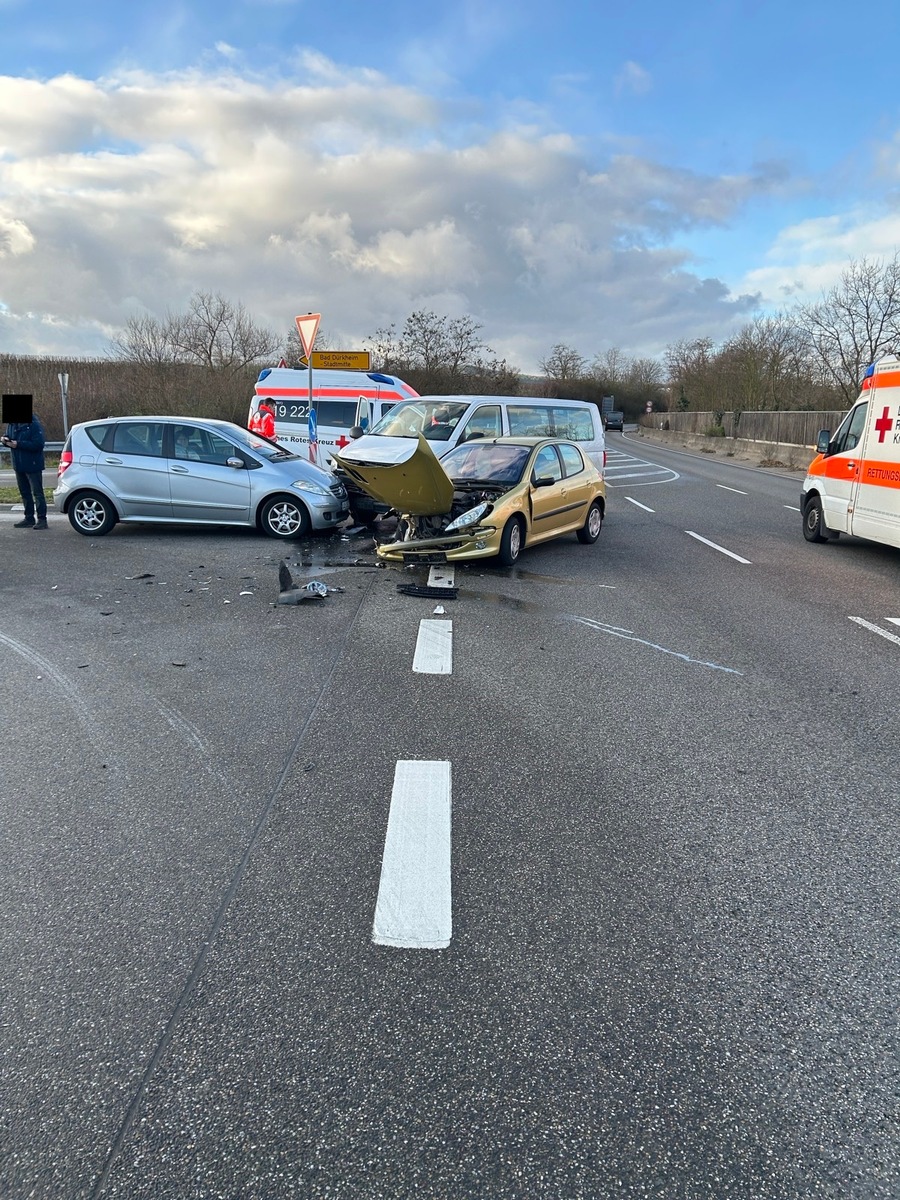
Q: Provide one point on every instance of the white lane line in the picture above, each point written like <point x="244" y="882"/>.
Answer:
<point x="792" y="507"/>
<point x="441" y="577"/>
<point x="414" y="909"/>
<point x="891" y="637"/>
<point x="728" y="489"/>
<point x="638" y="504"/>
<point x="614" y="471"/>
<point x="434" y="648"/>
<point x="893" y="620"/>
<point x="721" y="549"/>
<point x="631" y="637"/>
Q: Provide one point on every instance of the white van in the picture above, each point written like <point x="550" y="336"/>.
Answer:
<point x="853" y="484"/>
<point x="343" y="400"/>
<point x="447" y="421"/>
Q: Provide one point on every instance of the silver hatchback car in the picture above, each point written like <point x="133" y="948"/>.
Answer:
<point x="191" y="470"/>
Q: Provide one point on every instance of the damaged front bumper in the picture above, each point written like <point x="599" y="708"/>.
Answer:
<point x="481" y="542"/>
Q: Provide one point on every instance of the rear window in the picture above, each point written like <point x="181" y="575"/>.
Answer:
<point x="572" y="460"/>
<point x="548" y="420"/>
<point x="98" y="433"/>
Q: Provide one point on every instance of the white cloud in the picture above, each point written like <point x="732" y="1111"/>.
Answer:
<point x="342" y="195"/>
<point x="809" y="257"/>
<point x="633" y="79"/>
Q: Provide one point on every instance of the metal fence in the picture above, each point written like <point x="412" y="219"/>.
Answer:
<point x="798" y="428"/>
<point x="50" y="447"/>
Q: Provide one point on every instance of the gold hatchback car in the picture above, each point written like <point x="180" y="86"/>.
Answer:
<point x="488" y="497"/>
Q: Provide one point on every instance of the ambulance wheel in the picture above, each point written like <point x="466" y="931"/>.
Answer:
<point x="814" y="521"/>
<point x="285" y="518"/>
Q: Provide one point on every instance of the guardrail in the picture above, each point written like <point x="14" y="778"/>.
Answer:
<point x="50" y="447"/>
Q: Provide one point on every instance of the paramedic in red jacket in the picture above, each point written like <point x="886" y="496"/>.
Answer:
<point x="263" y="420"/>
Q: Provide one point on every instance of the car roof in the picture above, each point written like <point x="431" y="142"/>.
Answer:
<point x="212" y="422"/>
<point x="545" y="401"/>
<point x="514" y="440"/>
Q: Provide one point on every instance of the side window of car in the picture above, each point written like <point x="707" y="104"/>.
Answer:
<point x="850" y="434"/>
<point x="546" y="465"/>
<point x="139" y="437"/>
<point x="575" y="423"/>
<point x="213" y="449"/>
<point x="484" y="422"/>
<point x="572" y="460"/>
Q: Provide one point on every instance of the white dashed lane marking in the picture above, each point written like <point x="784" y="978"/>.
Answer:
<point x="623" y="470"/>
<point x="414" y="907"/>
<point x="638" y="504"/>
<point x="885" y="633"/>
<point x="434" y="648"/>
<point x="721" y="549"/>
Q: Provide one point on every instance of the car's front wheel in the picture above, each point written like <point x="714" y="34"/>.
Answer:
<point x="814" y="529"/>
<point x="91" y="514"/>
<point x="593" y="523"/>
<point x="285" y="518"/>
<point x="512" y="542"/>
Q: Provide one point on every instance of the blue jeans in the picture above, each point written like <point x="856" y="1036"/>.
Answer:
<point x="31" y="487"/>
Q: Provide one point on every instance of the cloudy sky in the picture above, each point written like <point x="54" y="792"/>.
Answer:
<point x="575" y="172"/>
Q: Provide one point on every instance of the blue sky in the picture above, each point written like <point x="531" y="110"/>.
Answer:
<point x="575" y="172"/>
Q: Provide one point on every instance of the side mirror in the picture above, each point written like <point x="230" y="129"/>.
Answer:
<point x="237" y="463"/>
<point x="357" y="431"/>
<point x="823" y="441"/>
<point x="543" y="481"/>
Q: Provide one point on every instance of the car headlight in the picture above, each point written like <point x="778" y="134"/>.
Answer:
<point x="472" y="517"/>
<point x="306" y="485"/>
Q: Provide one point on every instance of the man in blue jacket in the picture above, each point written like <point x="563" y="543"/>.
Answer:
<point x="26" y="440"/>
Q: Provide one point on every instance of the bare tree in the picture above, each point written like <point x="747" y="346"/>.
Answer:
<point x="384" y="349"/>
<point x="200" y="361"/>
<point x="563" y="364"/>
<point x="611" y="367"/>
<point x="854" y="322"/>
<point x="692" y="374"/>
<point x="439" y="354"/>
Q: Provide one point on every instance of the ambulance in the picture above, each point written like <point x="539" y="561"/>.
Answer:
<point x="853" y="484"/>
<point x="342" y="400"/>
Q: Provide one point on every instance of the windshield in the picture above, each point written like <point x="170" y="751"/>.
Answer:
<point x="435" y="419"/>
<point x="272" y="451"/>
<point x="486" y="462"/>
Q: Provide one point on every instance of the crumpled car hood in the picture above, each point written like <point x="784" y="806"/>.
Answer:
<point x="402" y="472"/>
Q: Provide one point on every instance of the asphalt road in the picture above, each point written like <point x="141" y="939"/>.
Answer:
<point x="672" y="970"/>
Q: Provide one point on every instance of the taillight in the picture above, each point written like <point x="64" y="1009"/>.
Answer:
<point x="65" y="461"/>
<point x="604" y="459"/>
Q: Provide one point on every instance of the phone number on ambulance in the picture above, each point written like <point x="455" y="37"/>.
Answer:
<point x="292" y="412"/>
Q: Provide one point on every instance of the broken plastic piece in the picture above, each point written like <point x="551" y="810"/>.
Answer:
<point x="430" y="593"/>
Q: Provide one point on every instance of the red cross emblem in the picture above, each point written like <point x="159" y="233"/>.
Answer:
<point x="345" y="441"/>
<point x="884" y="424"/>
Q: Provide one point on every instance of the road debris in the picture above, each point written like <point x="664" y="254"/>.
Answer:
<point x="429" y="593"/>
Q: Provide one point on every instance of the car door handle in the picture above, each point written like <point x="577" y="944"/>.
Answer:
<point x="179" y="470"/>
<point x="113" y="462"/>
<point x="851" y="466"/>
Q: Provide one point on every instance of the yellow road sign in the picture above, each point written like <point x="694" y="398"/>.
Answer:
<point x="341" y="360"/>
